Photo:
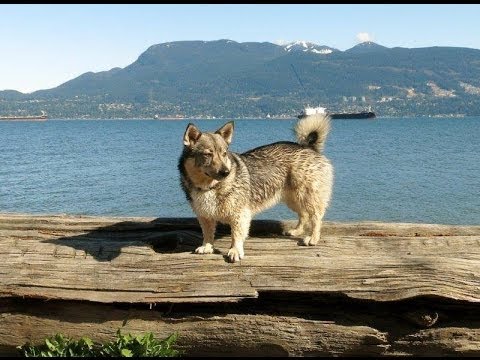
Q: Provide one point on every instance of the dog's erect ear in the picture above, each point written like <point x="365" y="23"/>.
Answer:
<point x="191" y="135"/>
<point x="226" y="131"/>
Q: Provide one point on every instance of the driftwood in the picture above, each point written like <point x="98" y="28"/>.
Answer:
<point x="369" y="289"/>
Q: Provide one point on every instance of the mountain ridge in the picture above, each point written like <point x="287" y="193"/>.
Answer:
<point x="252" y="79"/>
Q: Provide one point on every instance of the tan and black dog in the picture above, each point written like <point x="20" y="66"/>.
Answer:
<point x="230" y="188"/>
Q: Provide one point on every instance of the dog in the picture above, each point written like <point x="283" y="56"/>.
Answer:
<point x="230" y="188"/>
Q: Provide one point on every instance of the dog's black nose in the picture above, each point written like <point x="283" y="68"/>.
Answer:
<point x="224" y="172"/>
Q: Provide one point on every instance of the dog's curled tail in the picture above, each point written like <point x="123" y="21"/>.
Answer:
<point x="312" y="131"/>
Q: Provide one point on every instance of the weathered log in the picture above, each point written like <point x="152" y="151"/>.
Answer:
<point x="268" y="327"/>
<point x="86" y="275"/>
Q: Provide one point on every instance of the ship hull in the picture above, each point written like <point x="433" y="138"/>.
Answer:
<point x="361" y="115"/>
<point x="19" y="118"/>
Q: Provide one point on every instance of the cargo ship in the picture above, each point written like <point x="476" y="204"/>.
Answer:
<point x="321" y="110"/>
<point x="41" y="117"/>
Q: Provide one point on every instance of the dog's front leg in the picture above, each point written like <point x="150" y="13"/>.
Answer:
<point x="239" y="227"/>
<point x="208" y="230"/>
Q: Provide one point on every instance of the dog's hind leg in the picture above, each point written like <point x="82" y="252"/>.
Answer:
<point x="294" y="200"/>
<point x="239" y="227"/>
<point x="316" y="222"/>
<point x="208" y="229"/>
<point x="303" y="219"/>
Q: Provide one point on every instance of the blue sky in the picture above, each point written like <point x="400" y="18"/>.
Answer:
<point x="43" y="46"/>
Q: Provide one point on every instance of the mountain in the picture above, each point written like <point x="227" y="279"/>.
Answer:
<point x="366" y="47"/>
<point x="10" y="95"/>
<point x="224" y="78"/>
<point x="306" y="46"/>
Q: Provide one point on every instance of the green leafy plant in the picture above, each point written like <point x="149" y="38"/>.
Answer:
<point x="59" y="346"/>
<point x="146" y="345"/>
<point x="123" y="346"/>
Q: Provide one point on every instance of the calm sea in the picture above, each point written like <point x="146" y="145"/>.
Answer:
<point x="406" y="170"/>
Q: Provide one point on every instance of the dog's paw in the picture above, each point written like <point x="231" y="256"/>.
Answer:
<point x="308" y="241"/>
<point x="235" y="255"/>
<point x="206" y="249"/>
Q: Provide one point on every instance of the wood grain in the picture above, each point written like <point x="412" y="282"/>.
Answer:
<point x="144" y="260"/>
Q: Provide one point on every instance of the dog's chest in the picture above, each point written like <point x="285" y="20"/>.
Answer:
<point x="205" y="203"/>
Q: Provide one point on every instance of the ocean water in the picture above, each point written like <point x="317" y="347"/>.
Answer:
<point x="405" y="169"/>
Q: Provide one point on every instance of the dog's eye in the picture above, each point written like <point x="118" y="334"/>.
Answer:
<point x="224" y="153"/>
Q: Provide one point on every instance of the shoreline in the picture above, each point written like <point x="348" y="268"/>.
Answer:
<point x="231" y="118"/>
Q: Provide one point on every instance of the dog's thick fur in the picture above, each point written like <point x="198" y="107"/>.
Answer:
<point x="230" y="188"/>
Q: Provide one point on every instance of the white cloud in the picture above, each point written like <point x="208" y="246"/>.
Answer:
<point x="364" y="37"/>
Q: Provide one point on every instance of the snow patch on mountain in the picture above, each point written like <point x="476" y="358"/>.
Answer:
<point x="306" y="46"/>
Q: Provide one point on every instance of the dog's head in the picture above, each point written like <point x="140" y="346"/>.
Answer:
<point x="210" y="150"/>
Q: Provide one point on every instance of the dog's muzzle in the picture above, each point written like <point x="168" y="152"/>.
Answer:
<point x="222" y="174"/>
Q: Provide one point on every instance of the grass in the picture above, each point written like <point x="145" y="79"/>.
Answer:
<point x="123" y="346"/>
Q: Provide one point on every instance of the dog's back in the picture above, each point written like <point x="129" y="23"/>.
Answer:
<point x="277" y="170"/>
